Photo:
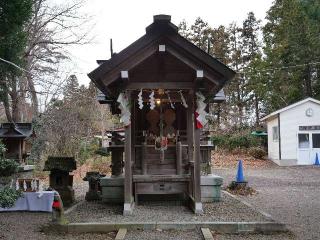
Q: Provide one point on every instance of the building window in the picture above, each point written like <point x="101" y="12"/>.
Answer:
<point x="304" y="141"/>
<point x="275" y="133"/>
<point x="316" y="140"/>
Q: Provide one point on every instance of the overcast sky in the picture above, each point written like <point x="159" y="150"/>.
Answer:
<point x="125" y="21"/>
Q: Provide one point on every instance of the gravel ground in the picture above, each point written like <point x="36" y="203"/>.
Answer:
<point x="26" y="225"/>
<point x="228" y="209"/>
<point x="290" y="194"/>
<point x="163" y="235"/>
<point x="254" y="237"/>
<point x="197" y="235"/>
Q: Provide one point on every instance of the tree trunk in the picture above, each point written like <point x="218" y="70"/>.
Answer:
<point x="256" y="105"/>
<point x="34" y="97"/>
<point x="308" y="80"/>
<point x="15" y="107"/>
<point x="7" y="108"/>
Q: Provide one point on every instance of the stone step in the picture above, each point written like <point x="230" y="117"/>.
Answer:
<point x="207" y="235"/>
<point x="121" y="234"/>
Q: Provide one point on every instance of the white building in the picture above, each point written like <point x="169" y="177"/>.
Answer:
<point x="294" y="133"/>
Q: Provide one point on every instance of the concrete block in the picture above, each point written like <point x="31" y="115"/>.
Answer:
<point x="128" y="209"/>
<point x="112" y="181"/>
<point x="112" y="189"/>
<point x="211" y="180"/>
<point x="211" y="188"/>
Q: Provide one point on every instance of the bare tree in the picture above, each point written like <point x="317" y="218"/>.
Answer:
<point x="51" y="29"/>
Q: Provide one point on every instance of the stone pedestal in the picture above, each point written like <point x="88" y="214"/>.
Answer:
<point x="60" y="179"/>
<point x="62" y="182"/>
<point x="211" y="188"/>
<point x="112" y="189"/>
<point x="94" y="192"/>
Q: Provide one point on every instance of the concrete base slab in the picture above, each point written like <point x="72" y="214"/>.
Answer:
<point x="128" y="208"/>
<point x="198" y="208"/>
<point x="26" y="168"/>
<point x="112" y="189"/>
<point x="211" y="188"/>
<point x="285" y="162"/>
<point x="221" y="227"/>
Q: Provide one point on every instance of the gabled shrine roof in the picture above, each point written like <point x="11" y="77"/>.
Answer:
<point x="161" y="29"/>
<point x="67" y="164"/>
<point x="15" y="130"/>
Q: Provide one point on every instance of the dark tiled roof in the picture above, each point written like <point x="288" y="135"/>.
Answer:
<point x="15" y="130"/>
<point x="60" y="163"/>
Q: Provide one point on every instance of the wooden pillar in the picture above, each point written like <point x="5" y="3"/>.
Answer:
<point x="197" y="159"/>
<point x="128" y="193"/>
<point x="179" y="158"/>
<point x="144" y="158"/>
<point x="20" y="150"/>
<point x="133" y="133"/>
<point x="190" y="127"/>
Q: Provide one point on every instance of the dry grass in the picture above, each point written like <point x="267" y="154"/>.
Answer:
<point x="226" y="159"/>
<point x="98" y="164"/>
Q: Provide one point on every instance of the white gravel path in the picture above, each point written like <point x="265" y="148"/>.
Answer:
<point x="229" y="210"/>
<point x="290" y="194"/>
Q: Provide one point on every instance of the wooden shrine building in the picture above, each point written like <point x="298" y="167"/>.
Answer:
<point x="13" y="136"/>
<point x="161" y="86"/>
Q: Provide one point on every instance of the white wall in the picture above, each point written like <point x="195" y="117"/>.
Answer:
<point x="273" y="146"/>
<point x="290" y="121"/>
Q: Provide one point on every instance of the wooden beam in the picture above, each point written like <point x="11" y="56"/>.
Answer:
<point x="156" y="85"/>
<point x="128" y="64"/>
<point x="163" y="77"/>
<point x="212" y="76"/>
<point x="225" y="72"/>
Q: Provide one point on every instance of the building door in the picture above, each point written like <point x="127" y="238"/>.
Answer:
<point x="315" y="147"/>
<point x="304" y="149"/>
<point x="308" y="146"/>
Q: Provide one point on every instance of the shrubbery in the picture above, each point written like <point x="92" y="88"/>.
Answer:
<point x="257" y="152"/>
<point x="8" y="197"/>
<point x="8" y="167"/>
<point x="235" y="140"/>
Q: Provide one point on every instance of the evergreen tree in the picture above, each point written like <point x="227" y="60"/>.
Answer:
<point x="292" y="48"/>
<point x="13" y="16"/>
<point x="251" y="55"/>
<point x="71" y="90"/>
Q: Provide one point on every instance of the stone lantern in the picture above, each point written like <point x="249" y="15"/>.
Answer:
<point x="94" y="192"/>
<point x="60" y="179"/>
